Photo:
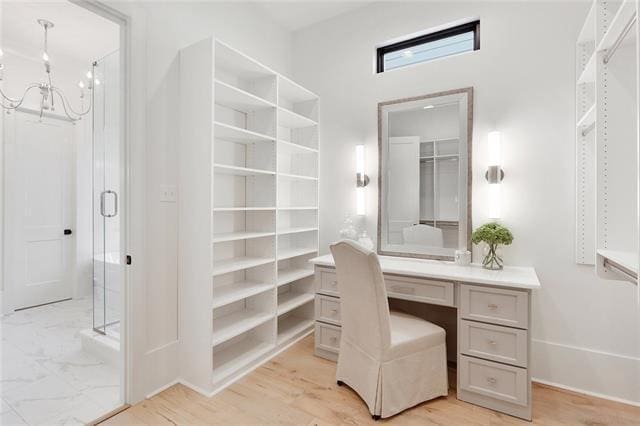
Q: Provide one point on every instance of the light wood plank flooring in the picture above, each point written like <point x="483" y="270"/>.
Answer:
<point x="297" y="388"/>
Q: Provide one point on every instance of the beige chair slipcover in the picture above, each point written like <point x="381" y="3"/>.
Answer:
<point x="392" y="360"/>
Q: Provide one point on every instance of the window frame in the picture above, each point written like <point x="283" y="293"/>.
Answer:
<point x="426" y="38"/>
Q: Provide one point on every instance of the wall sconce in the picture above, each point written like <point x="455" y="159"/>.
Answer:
<point x="362" y="180"/>
<point x="495" y="175"/>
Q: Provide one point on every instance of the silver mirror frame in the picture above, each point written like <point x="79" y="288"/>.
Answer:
<point x="469" y="92"/>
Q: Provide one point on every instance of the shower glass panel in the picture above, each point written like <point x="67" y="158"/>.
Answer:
<point x="107" y="268"/>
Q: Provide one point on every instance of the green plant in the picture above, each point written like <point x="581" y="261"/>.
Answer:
<point x="492" y="234"/>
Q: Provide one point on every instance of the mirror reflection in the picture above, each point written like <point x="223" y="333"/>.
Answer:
<point x="424" y="146"/>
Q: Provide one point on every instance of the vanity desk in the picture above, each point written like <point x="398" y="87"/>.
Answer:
<point x="493" y="321"/>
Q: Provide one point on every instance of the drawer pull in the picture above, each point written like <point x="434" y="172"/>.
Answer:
<point x="492" y="306"/>
<point x="334" y="283"/>
<point x="492" y="380"/>
<point x="493" y="342"/>
<point x="405" y="290"/>
<point x="333" y="339"/>
<point x="334" y="312"/>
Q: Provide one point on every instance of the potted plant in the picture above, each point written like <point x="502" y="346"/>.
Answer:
<point x="492" y="234"/>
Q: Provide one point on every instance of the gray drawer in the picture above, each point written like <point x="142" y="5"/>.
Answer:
<point x="494" y="305"/>
<point x="420" y="290"/>
<point x="328" y="337"/>
<point x="491" y="379"/>
<point x="326" y="281"/>
<point x="328" y="309"/>
<point x="494" y="342"/>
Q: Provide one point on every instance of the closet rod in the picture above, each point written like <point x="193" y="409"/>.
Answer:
<point x="588" y="130"/>
<point x="633" y="277"/>
<point x="607" y="57"/>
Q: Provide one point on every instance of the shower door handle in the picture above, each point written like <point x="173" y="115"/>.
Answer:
<point x="103" y="196"/>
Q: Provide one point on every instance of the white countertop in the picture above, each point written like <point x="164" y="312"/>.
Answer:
<point x="510" y="276"/>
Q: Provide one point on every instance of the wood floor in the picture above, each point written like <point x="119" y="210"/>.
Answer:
<point x="297" y="388"/>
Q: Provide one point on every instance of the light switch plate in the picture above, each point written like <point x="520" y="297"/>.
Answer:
<point x="168" y="193"/>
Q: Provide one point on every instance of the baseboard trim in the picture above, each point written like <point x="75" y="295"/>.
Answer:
<point x="585" y="392"/>
<point x="162" y="388"/>
<point x="592" y="372"/>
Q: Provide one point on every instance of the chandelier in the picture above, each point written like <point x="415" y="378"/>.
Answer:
<point x="48" y="91"/>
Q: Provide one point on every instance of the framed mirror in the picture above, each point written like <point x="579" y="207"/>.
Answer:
<point x="424" y="199"/>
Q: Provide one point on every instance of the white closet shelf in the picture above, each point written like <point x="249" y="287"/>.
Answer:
<point x="291" y="326"/>
<point x="297" y="177"/>
<point x="235" y="291"/>
<point x="293" y="92"/>
<point x="237" y="63"/>
<point x="229" y="326"/>
<point x="243" y="209"/>
<point x="297" y="230"/>
<point x="437" y="157"/>
<point x="240" y="171"/>
<point x="293" y="120"/>
<point x="238" y="134"/>
<point x="626" y="12"/>
<point x="588" y="32"/>
<point x="294" y="252"/>
<point x="235" y="236"/>
<point x="588" y="118"/>
<point x="237" y="356"/>
<point x="238" y="99"/>
<point x="238" y="264"/>
<point x="297" y="146"/>
<point x="289" y="275"/>
<point x="298" y="208"/>
<point x="290" y="300"/>
<point x="589" y="73"/>
<point x="626" y="259"/>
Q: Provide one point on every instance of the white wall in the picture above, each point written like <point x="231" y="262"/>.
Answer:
<point x="159" y="30"/>
<point x="585" y="331"/>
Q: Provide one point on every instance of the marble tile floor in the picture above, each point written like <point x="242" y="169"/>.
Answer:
<point x="45" y="377"/>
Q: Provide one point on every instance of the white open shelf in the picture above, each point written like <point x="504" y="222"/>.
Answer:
<point x="235" y="236"/>
<point x="297" y="177"/>
<point x="237" y="356"/>
<point x="290" y="300"/>
<point x="588" y="32"/>
<point x="243" y="209"/>
<point x="239" y="171"/>
<point x="289" y="275"/>
<point x="297" y="146"/>
<point x="626" y="12"/>
<point x="298" y="208"/>
<point x="235" y="134"/>
<point x="588" y="118"/>
<point x="239" y="263"/>
<point x="291" y="326"/>
<point x="235" y="291"/>
<point x="293" y="92"/>
<point x="589" y="73"/>
<point x="294" y="252"/>
<point x="230" y="326"/>
<point x="237" y="63"/>
<point x="238" y="99"/>
<point x="293" y="120"/>
<point x="626" y="259"/>
<point x="298" y="230"/>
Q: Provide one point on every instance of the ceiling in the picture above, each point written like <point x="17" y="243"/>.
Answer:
<point x="295" y="15"/>
<point x="79" y="36"/>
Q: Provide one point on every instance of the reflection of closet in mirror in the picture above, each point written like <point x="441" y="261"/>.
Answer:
<point x="437" y="129"/>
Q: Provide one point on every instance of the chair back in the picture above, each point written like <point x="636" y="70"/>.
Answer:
<point x="363" y="298"/>
<point x="423" y="235"/>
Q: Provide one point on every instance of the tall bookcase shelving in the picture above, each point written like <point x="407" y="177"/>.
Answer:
<point x="248" y="213"/>
<point x="608" y="148"/>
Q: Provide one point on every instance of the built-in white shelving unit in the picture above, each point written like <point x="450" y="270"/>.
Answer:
<point x="607" y="148"/>
<point x="248" y="213"/>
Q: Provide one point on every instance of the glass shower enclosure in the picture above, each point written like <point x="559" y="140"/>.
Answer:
<point x="107" y="259"/>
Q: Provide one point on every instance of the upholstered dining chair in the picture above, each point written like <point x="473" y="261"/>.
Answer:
<point x="391" y="359"/>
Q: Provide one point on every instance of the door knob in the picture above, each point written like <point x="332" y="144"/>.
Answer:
<point x="68" y="232"/>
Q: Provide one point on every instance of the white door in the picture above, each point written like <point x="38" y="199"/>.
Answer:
<point x="39" y="206"/>
<point x="404" y="190"/>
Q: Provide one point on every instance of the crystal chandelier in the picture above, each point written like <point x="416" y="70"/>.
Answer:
<point x="48" y="91"/>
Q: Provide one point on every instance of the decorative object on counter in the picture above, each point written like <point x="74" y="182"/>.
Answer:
<point x="365" y="241"/>
<point x="348" y="231"/>
<point x="463" y="257"/>
<point x="492" y="234"/>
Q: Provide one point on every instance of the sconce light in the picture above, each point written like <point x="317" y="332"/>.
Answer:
<point x="362" y="180"/>
<point x="495" y="175"/>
